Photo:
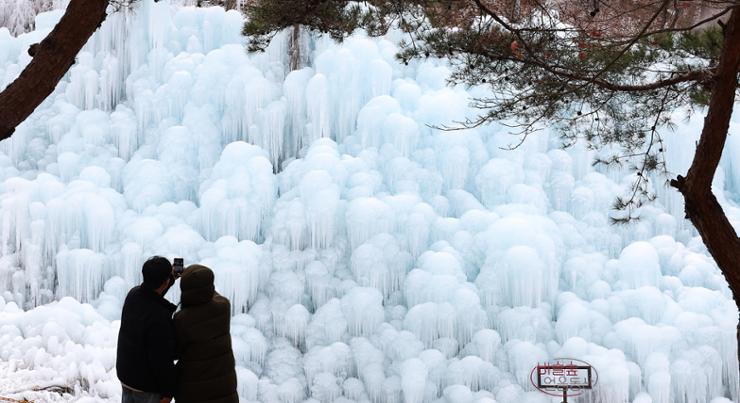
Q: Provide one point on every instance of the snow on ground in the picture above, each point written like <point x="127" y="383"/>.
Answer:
<point x="386" y="261"/>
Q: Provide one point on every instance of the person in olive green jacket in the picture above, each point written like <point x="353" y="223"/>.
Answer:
<point x="206" y="370"/>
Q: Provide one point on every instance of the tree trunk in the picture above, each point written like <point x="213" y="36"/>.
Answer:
<point x="51" y="60"/>
<point x="295" y="47"/>
<point x="702" y="207"/>
<point x="517" y="11"/>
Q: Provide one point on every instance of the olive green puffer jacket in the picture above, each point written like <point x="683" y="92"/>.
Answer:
<point x="205" y="371"/>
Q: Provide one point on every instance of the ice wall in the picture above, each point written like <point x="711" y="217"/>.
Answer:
<point x="368" y="257"/>
<point x="18" y="15"/>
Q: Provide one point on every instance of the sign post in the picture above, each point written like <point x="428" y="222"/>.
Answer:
<point x="570" y="376"/>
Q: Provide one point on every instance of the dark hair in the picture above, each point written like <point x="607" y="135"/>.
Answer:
<point x="155" y="270"/>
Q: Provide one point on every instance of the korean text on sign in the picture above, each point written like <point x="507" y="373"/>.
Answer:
<point x="563" y="376"/>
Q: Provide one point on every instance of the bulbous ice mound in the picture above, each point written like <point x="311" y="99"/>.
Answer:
<point x="639" y="265"/>
<point x="368" y="256"/>
<point x="239" y="194"/>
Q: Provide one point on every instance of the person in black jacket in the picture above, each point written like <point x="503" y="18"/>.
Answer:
<point x="146" y="340"/>
<point x="205" y="370"/>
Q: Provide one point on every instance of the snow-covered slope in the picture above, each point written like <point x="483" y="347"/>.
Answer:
<point x="384" y="262"/>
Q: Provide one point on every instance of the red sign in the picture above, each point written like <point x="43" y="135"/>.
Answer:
<point x="563" y="377"/>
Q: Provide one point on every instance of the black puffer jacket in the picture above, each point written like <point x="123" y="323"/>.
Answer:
<point x="205" y="371"/>
<point x="146" y="343"/>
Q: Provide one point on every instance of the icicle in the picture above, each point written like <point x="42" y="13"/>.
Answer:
<point x="454" y="162"/>
<point x="458" y="394"/>
<point x="81" y="274"/>
<point x="392" y="390"/>
<point x="494" y="180"/>
<point x="639" y="265"/>
<point x="659" y="386"/>
<point x="522" y="357"/>
<point x="366" y="217"/>
<point x="325" y="387"/>
<point x="272" y="131"/>
<point x="318" y="112"/>
<point x="642" y="339"/>
<point x="239" y="195"/>
<point x="289" y="224"/>
<point x="318" y="282"/>
<point x="472" y="372"/>
<point x="363" y="308"/>
<point x="354" y="390"/>
<point x="111" y="84"/>
<point x="370" y="367"/>
<point x="371" y="120"/>
<point x="418" y="228"/>
<point x="728" y="350"/>
<point x="131" y="263"/>
<point x="430" y="321"/>
<point x="327" y="326"/>
<point x="469" y="317"/>
<point x="247" y="383"/>
<point x="33" y="263"/>
<point x="294" y="90"/>
<point x="294" y="323"/>
<point x="124" y="131"/>
<point x="486" y="343"/>
<point x="239" y="279"/>
<point x="335" y="359"/>
<point x="517" y="279"/>
<point x="234" y="123"/>
<point x="561" y="189"/>
<point x="256" y="346"/>
<point x="381" y="264"/>
<point x="322" y="199"/>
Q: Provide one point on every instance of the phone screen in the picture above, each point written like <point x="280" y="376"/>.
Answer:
<point x="178" y="265"/>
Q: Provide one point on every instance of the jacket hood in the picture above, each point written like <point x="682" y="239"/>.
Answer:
<point x="196" y="285"/>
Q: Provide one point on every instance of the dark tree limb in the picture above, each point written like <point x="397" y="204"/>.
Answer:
<point x="692" y="76"/>
<point x="702" y="207"/>
<point x="52" y="58"/>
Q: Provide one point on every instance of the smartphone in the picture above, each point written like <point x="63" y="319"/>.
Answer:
<point x="178" y="266"/>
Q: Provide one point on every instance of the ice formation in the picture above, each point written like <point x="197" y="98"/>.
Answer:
<point x="368" y="257"/>
<point x="18" y="15"/>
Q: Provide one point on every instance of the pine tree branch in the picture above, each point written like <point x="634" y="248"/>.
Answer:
<point x="692" y="76"/>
